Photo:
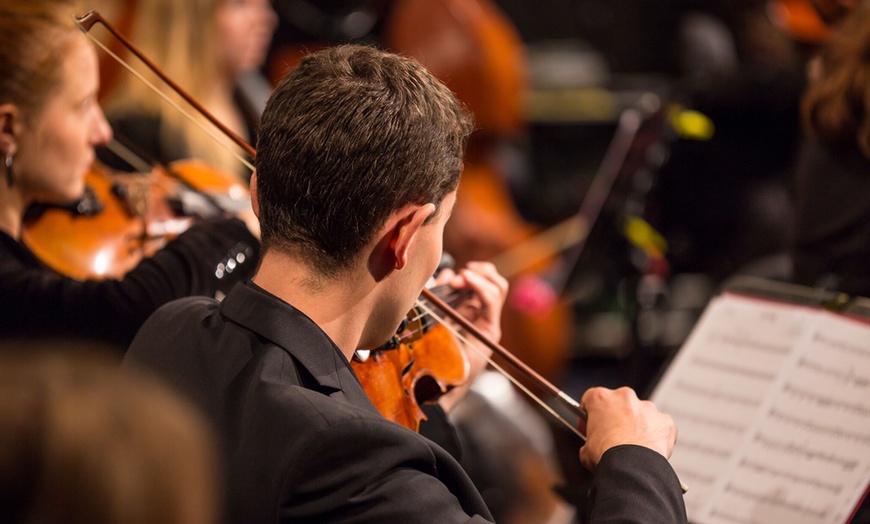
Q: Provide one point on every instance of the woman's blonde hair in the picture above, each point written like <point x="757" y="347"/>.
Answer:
<point x="836" y="105"/>
<point x="180" y="37"/>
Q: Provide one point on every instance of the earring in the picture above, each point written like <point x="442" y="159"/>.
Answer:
<point x="10" y="179"/>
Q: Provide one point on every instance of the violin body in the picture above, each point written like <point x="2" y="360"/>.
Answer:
<point x="125" y="217"/>
<point x="400" y="377"/>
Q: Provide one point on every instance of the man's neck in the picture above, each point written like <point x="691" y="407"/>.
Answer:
<point x="340" y="306"/>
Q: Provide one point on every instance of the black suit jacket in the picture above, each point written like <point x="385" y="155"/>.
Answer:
<point x="303" y="442"/>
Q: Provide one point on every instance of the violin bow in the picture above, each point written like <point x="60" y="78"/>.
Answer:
<point x="566" y="400"/>
<point x="87" y="21"/>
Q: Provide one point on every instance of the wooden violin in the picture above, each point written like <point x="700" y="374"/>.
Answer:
<point x="418" y="365"/>
<point x="125" y="217"/>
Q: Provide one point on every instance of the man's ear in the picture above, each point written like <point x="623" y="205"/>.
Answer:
<point x="10" y="128"/>
<point x="255" y="202"/>
<point x="406" y="229"/>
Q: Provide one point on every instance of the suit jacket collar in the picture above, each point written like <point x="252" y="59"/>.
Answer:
<point x="267" y="315"/>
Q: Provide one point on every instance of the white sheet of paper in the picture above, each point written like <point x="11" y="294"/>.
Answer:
<point x="806" y="458"/>
<point x="718" y="381"/>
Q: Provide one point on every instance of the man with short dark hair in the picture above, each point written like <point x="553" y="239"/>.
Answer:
<point x="358" y="163"/>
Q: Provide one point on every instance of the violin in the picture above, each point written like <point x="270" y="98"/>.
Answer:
<point x="125" y="217"/>
<point x="418" y="365"/>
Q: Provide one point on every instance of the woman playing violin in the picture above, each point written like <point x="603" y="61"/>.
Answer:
<point x="50" y="122"/>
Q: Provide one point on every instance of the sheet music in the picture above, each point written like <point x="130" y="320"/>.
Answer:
<point x="718" y="381"/>
<point x="806" y="458"/>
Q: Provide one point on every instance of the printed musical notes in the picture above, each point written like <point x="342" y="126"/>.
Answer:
<point x="718" y="381"/>
<point x="772" y="405"/>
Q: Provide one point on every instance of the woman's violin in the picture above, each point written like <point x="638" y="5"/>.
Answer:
<point x="125" y="217"/>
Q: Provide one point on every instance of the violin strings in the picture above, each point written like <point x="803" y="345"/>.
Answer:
<point x="501" y="370"/>
<point x="214" y="136"/>
<point x="427" y="320"/>
<point x="145" y="170"/>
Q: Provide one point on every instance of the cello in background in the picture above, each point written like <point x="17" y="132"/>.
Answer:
<point x="472" y="47"/>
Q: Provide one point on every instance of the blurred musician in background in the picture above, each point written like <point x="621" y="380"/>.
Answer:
<point x="832" y="244"/>
<point x="214" y="50"/>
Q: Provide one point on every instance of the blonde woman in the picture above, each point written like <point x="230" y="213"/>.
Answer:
<point x="210" y="48"/>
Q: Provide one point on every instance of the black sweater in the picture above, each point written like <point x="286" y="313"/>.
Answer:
<point x="36" y="301"/>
